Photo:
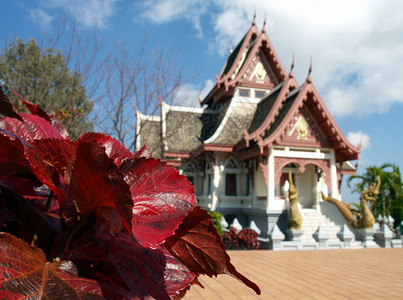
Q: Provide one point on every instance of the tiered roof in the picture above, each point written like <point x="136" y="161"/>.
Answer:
<point x="288" y="115"/>
<point x="254" y="49"/>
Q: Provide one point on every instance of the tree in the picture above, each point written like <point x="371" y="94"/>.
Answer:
<point x="140" y="83"/>
<point x="43" y="77"/>
<point x="118" y="81"/>
<point x="390" y="198"/>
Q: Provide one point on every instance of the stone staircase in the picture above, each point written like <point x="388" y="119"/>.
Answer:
<point x="312" y="219"/>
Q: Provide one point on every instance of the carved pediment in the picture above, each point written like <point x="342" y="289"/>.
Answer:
<point x="304" y="128"/>
<point x="258" y="71"/>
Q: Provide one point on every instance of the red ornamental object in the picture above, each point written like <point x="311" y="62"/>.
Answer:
<point x="73" y="211"/>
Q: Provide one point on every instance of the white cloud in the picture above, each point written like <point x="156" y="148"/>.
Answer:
<point x="39" y="16"/>
<point x="188" y="94"/>
<point x="161" y="11"/>
<point x="355" y="138"/>
<point x="357" y="46"/>
<point x="90" y="13"/>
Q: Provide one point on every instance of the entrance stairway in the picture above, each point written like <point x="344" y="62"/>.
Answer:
<point x="312" y="219"/>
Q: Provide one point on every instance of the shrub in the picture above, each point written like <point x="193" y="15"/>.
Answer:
<point x="248" y="238"/>
<point x="94" y="220"/>
<point x="245" y="239"/>
<point x="216" y="217"/>
<point x="231" y="239"/>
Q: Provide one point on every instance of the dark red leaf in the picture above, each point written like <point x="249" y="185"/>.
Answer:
<point x="35" y="109"/>
<point x="113" y="148"/>
<point x="6" y="108"/>
<point x="24" y="187"/>
<point x="161" y="199"/>
<point x="198" y="245"/>
<point x="12" y="157"/>
<point x="24" y="273"/>
<point x="91" y="260"/>
<point x="147" y="272"/>
<point x="178" y="278"/>
<point x="60" y="128"/>
<point x="51" y="161"/>
<point x="33" y="128"/>
<point x="43" y="226"/>
<point x="143" y="152"/>
<point x="98" y="186"/>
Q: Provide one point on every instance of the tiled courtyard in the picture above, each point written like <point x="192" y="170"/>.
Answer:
<point x="317" y="274"/>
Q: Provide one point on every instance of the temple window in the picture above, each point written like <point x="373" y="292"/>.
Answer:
<point x="259" y="94"/>
<point x="230" y="184"/>
<point x="244" y="93"/>
<point x="194" y="177"/>
<point x="236" y="178"/>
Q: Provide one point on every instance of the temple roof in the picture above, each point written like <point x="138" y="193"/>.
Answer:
<point x="149" y="128"/>
<point x="254" y="50"/>
<point x="302" y="103"/>
<point x="236" y="119"/>
<point x="182" y="130"/>
<point x="264" y="107"/>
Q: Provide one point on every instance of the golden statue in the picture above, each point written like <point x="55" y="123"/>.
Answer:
<point x="295" y="221"/>
<point x="356" y="220"/>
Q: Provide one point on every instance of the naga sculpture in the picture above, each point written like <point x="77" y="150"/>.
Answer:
<point x="295" y="221"/>
<point x="356" y="220"/>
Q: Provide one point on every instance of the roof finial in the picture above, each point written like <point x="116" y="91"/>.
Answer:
<point x="264" y="23"/>
<point x="309" y="78"/>
<point x="292" y="66"/>
<point x="254" y="17"/>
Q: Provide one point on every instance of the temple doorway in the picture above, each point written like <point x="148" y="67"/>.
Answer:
<point x="309" y="183"/>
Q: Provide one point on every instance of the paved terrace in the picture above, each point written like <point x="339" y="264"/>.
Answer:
<point x="310" y="274"/>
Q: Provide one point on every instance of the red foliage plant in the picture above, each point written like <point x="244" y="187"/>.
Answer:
<point x="246" y="238"/>
<point x="249" y="238"/>
<point x="88" y="218"/>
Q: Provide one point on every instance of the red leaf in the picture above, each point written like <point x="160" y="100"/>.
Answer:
<point x="24" y="187"/>
<point x="147" y="272"/>
<point x="46" y="228"/>
<point x="33" y="127"/>
<point x="143" y="152"/>
<point x="98" y="186"/>
<point x="25" y="273"/>
<point x="51" y="161"/>
<point x="113" y="148"/>
<point x="198" y="245"/>
<point x="35" y="109"/>
<point x="161" y="199"/>
<point x="6" y="108"/>
<point x="12" y="157"/>
<point x="38" y="111"/>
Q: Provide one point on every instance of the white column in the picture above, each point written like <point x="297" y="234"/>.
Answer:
<point x="270" y="178"/>
<point x="216" y="182"/>
<point x="334" y="193"/>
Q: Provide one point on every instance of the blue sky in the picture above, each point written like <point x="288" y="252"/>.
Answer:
<point x="356" y="47"/>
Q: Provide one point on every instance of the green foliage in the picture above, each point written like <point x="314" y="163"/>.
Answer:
<point x="357" y="208"/>
<point x="390" y="198"/>
<point x="43" y="77"/>
<point x="216" y="218"/>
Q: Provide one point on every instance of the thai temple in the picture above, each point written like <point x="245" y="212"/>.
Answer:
<point x="257" y="130"/>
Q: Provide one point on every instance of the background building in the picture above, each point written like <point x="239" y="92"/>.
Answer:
<point x="257" y="124"/>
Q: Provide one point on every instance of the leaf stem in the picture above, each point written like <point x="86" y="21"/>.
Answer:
<point x="49" y="201"/>
<point x="67" y="237"/>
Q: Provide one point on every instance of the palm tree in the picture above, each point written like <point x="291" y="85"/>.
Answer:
<point x="390" y="198"/>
